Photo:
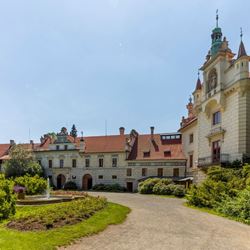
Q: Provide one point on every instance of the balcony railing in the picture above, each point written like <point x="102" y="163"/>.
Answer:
<point x="210" y="160"/>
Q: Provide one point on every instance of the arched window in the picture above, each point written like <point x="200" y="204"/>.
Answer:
<point x="212" y="80"/>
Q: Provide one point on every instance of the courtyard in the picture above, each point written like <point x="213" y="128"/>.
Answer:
<point x="165" y="223"/>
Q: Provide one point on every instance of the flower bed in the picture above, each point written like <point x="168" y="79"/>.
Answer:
<point x="58" y="215"/>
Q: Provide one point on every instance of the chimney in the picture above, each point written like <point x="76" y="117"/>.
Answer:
<point x="122" y="130"/>
<point x="152" y="132"/>
<point x="12" y="142"/>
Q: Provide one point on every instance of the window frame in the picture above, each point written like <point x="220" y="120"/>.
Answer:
<point x="216" y="118"/>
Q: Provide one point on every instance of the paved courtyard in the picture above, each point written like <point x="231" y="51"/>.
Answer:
<point x="164" y="223"/>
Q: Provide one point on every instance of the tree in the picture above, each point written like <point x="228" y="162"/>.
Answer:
<point x="73" y="131"/>
<point x="21" y="162"/>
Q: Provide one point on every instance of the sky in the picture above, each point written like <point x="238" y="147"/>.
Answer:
<point x="131" y="63"/>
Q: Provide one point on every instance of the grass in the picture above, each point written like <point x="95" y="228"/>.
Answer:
<point x="46" y="240"/>
<point x="213" y="212"/>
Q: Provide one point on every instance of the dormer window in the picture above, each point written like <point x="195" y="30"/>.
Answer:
<point x="167" y="153"/>
<point x="146" y="154"/>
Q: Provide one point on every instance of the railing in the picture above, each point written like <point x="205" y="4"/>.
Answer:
<point x="210" y="160"/>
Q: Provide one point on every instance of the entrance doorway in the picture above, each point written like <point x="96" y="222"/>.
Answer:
<point x="60" y="181"/>
<point x="87" y="182"/>
<point x="130" y="187"/>
<point x="216" y="152"/>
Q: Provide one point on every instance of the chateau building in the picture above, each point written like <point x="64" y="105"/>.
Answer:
<point x="124" y="159"/>
<point x="217" y="129"/>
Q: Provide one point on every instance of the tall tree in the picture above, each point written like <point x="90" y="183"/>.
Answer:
<point x="73" y="131"/>
<point x="21" y="162"/>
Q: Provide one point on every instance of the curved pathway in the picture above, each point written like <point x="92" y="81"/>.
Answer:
<point x="159" y="223"/>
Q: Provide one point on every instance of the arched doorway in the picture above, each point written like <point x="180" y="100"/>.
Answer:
<point x="86" y="182"/>
<point x="60" y="181"/>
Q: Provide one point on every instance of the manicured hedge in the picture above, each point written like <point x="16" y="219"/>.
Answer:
<point x="109" y="188"/>
<point x="161" y="187"/>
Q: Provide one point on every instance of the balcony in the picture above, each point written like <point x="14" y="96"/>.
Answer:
<point x="210" y="160"/>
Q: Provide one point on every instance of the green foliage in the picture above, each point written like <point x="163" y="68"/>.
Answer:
<point x="21" y="162"/>
<point x="109" y="188"/>
<point x="70" y="185"/>
<point x="225" y="190"/>
<point x="58" y="215"/>
<point x="73" y="131"/>
<point x="7" y="198"/>
<point x="161" y="187"/>
<point x="179" y="191"/>
<point x="146" y="187"/>
<point x="33" y="184"/>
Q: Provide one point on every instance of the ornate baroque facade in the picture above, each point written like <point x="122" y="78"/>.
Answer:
<point x="219" y="117"/>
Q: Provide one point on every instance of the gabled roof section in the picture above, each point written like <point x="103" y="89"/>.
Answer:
<point x="198" y="84"/>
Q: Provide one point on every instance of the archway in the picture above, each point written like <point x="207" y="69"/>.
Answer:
<point x="86" y="182"/>
<point x="60" y="181"/>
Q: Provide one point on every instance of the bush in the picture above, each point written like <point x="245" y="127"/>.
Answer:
<point x="33" y="184"/>
<point x="7" y="198"/>
<point x="163" y="189"/>
<point x="179" y="191"/>
<point x="146" y="187"/>
<point x="70" y="185"/>
<point x="109" y="188"/>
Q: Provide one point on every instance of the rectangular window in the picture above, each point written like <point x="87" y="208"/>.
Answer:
<point x="65" y="147"/>
<point x="146" y="154"/>
<point x="144" y="172"/>
<point x="100" y="176"/>
<point x="216" y="118"/>
<point x="74" y="163"/>
<point x="191" y="138"/>
<point x="50" y="163"/>
<point x="160" y="172"/>
<point x="216" y="151"/>
<point x="176" y="172"/>
<point x="114" y="162"/>
<point x="87" y="163"/>
<point x="57" y="147"/>
<point x="190" y="161"/>
<point x="167" y="153"/>
<point x="100" y="162"/>
<point x="114" y="177"/>
<point x="61" y="163"/>
<point x="129" y="172"/>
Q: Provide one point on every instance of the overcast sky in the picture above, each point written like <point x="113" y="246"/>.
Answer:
<point x="131" y="62"/>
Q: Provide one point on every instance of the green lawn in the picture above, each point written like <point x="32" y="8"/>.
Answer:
<point x="16" y="240"/>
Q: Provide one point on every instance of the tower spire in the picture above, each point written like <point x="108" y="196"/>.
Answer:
<point x="242" y="50"/>
<point x="217" y="18"/>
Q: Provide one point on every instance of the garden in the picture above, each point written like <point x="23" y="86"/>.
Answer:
<point x="47" y="226"/>
<point x="225" y="191"/>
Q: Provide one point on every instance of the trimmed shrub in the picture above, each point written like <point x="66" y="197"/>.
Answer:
<point x="179" y="191"/>
<point x="7" y="198"/>
<point x="109" y="188"/>
<point x="163" y="189"/>
<point x="33" y="184"/>
<point x="70" y="185"/>
<point x="146" y="187"/>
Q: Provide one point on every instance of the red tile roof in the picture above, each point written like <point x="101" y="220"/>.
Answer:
<point x="156" y="147"/>
<point x="4" y="149"/>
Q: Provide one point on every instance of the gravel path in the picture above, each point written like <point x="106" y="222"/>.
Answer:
<point x="164" y="224"/>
